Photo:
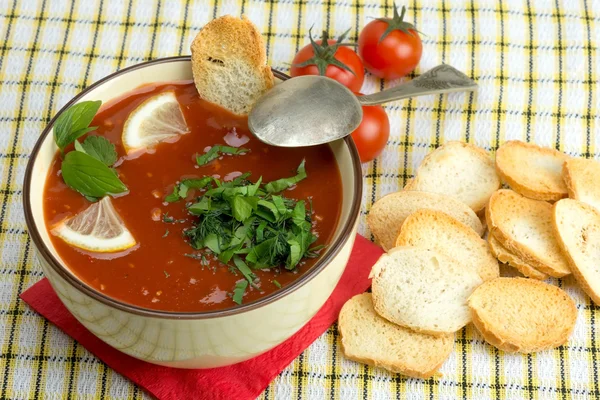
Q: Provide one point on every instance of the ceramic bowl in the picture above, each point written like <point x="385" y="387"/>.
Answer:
<point x="178" y="339"/>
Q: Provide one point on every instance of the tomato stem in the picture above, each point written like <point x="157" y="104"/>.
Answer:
<point x="325" y="53"/>
<point x="397" y="23"/>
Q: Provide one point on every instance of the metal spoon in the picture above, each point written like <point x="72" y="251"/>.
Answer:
<point x="311" y="110"/>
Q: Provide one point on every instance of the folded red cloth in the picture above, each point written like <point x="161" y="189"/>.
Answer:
<point x="241" y="381"/>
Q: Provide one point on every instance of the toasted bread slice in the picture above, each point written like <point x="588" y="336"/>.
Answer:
<point x="440" y="232"/>
<point x="581" y="178"/>
<point x="388" y="213"/>
<point x="533" y="171"/>
<point x="460" y="170"/>
<point x="423" y="290"/>
<point x="505" y="256"/>
<point x="577" y="228"/>
<point x="524" y="226"/>
<point x="370" y="339"/>
<point x="229" y="64"/>
<point x="522" y="315"/>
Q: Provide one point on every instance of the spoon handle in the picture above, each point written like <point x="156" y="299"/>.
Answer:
<point x="441" y="79"/>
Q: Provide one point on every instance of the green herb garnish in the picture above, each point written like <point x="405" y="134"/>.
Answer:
<point x="166" y="233"/>
<point x="99" y="148"/>
<point x="167" y="219"/>
<point x="216" y="151"/>
<point x="89" y="176"/>
<point x="243" y="221"/>
<point x="243" y="268"/>
<point x="166" y="274"/>
<point x="284" y="183"/>
<point x="75" y="122"/>
<point x="276" y="283"/>
<point x="87" y="169"/>
<point x="181" y="189"/>
<point x="239" y="290"/>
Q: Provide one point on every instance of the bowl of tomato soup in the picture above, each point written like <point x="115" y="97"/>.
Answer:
<point x="174" y="235"/>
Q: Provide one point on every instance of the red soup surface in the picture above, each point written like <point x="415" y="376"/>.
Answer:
<point x="157" y="274"/>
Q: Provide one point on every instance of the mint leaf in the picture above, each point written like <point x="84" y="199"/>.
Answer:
<point x="239" y="290"/>
<point x="99" y="148"/>
<point x="216" y="151"/>
<point x="90" y="177"/>
<point x="91" y="199"/>
<point x="284" y="183"/>
<point x="75" y="122"/>
<point x="79" y="147"/>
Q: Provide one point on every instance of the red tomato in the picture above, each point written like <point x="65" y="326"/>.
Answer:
<point x="372" y="134"/>
<point x="332" y="60"/>
<point x="394" y="56"/>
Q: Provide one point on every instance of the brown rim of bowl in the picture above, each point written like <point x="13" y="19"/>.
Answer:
<point x="334" y="248"/>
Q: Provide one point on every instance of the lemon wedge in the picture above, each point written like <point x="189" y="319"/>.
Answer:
<point x="155" y="120"/>
<point x="98" y="229"/>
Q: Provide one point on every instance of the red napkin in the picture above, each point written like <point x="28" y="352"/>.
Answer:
<point x="245" y="380"/>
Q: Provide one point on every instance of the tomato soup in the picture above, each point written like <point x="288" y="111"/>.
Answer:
<point x="163" y="271"/>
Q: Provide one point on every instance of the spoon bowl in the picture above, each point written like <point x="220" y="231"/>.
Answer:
<point x="305" y="111"/>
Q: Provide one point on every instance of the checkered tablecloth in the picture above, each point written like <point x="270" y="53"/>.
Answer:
<point x="536" y="61"/>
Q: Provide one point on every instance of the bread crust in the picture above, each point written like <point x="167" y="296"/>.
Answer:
<point x="390" y="364"/>
<point x="505" y="256"/>
<point x="587" y="287"/>
<point x="512" y="244"/>
<point x="385" y="227"/>
<point x="389" y="308"/>
<point x="507" y="338"/>
<point x="580" y="176"/>
<point x="480" y="153"/>
<point x="224" y="40"/>
<point x="550" y="188"/>
<point x="486" y="265"/>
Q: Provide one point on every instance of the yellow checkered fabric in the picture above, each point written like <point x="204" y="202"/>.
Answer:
<point x="537" y="64"/>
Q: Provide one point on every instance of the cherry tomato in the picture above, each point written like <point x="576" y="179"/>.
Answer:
<point x="373" y="132"/>
<point x="332" y="60"/>
<point x="390" y="47"/>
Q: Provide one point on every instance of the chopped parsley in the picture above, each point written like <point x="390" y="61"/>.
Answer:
<point x="284" y="183"/>
<point x="218" y="150"/>
<point x="248" y="225"/>
<point x="166" y="233"/>
<point x="252" y="225"/>
<point x="239" y="290"/>
<point x="181" y="189"/>
<point x="166" y="274"/>
<point x="167" y="218"/>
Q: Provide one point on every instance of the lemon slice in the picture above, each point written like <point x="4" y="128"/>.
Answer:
<point x="155" y="120"/>
<point x="98" y="229"/>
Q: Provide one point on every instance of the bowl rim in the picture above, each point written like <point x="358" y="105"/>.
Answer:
<point x="79" y="284"/>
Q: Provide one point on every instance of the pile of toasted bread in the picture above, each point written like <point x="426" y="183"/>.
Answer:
<point x="439" y="274"/>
